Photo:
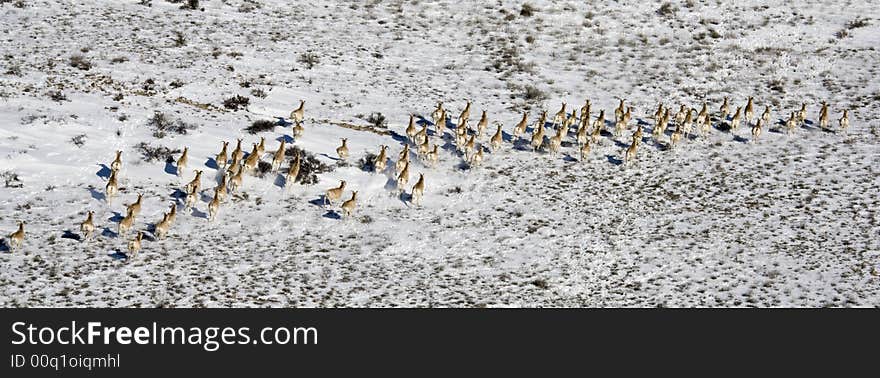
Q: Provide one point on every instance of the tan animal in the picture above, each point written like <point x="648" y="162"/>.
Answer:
<point x="766" y="115"/>
<point x="844" y="121"/>
<point x="792" y="123"/>
<point x="195" y="184"/>
<point x="495" y="141"/>
<point x="403" y="177"/>
<point x="756" y="131"/>
<point x="125" y="224"/>
<point x="191" y="197"/>
<point x="440" y="124"/>
<point x="349" y="205"/>
<point x="172" y="213"/>
<point x="560" y="115"/>
<point x="631" y="152"/>
<point x="466" y="113"/>
<point x="251" y="162"/>
<point x="585" y="110"/>
<point x="112" y="187"/>
<point x="437" y="113"/>
<point x="520" y="127"/>
<point x="214" y="207"/>
<point x="220" y="189"/>
<point x="599" y="123"/>
<point x="236" y="180"/>
<point x="182" y="161"/>
<point x="87" y="227"/>
<point x="802" y="114"/>
<point x="823" y="116"/>
<point x="481" y="126"/>
<point x="734" y="122"/>
<point x="134" y="246"/>
<point x="585" y="150"/>
<point x="750" y="110"/>
<point x="477" y="157"/>
<point x="704" y="113"/>
<point x="627" y="116"/>
<point x="221" y="158"/>
<point x="403" y="162"/>
<point x="381" y="160"/>
<point x="681" y="115"/>
<point x="278" y="157"/>
<point x="688" y="124"/>
<point x="292" y="172"/>
<point x="658" y="113"/>
<point x="342" y="150"/>
<point x="556" y="141"/>
<point x="161" y="229"/>
<point x="424" y="149"/>
<point x="261" y="148"/>
<point x="705" y="127"/>
<point x="469" y="147"/>
<point x="537" y="137"/>
<point x="298" y="130"/>
<point x="237" y="153"/>
<point x="582" y="136"/>
<point x="418" y="190"/>
<point x="16" y="239"/>
<point x="135" y="208"/>
<point x="297" y="115"/>
<point x="334" y="194"/>
<point x="434" y="156"/>
<point x="411" y="130"/>
<point x="572" y="119"/>
<point x="116" y="165"/>
<point x="422" y="135"/>
<point x="618" y="112"/>
<point x="619" y="127"/>
<point x="404" y="154"/>
<point x="676" y="137"/>
<point x="725" y="109"/>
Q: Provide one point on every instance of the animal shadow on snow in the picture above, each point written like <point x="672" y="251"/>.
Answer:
<point x="212" y="163"/>
<point x="4" y="246"/>
<point x="104" y="172"/>
<point x="170" y="168"/>
<point x="283" y="122"/>
<point x="614" y="160"/>
<point x="118" y="255"/>
<point x="116" y="218"/>
<point x="97" y="195"/>
<point x="286" y="138"/>
<point x="280" y="181"/>
<point x="71" y="235"/>
<point x="318" y="201"/>
<point x="398" y="138"/>
<point x="332" y="214"/>
<point x="740" y="139"/>
<point x="108" y="233"/>
<point x="198" y="213"/>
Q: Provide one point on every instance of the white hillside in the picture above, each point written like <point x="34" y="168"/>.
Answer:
<point x="718" y="220"/>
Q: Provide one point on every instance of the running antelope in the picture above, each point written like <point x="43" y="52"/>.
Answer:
<point x="237" y="153"/>
<point x="585" y="150"/>
<point x="297" y="115"/>
<point x="292" y="172"/>
<point x="619" y="127"/>
<point x="422" y="135"/>
<point x="251" y="162"/>
<point x="495" y="141"/>
<point x="424" y="149"/>
<point x="704" y="113"/>
<point x="404" y="154"/>
<point x="195" y="184"/>
<point x="278" y="157"/>
<point x="214" y="207"/>
<point x="765" y="117"/>
<point x="599" y="123"/>
<point x="734" y="122"/>
<point x="705" y="127"/>
<point x="659" y="113"/>
<point x="802" y="114"/>
<point x="135" y="208"/>
<point x="537" y="137"/>
<point x="437" y="113"/>
<point x="481" y="126"/>
<point x="477" y="158"/>
<point x="750" y="110"/>
<point x="172" y="213"/>
<point x="236" y="180"/>
<point x="403" y="162"/>
<point x="298" y="130"/>
<point x="349" y="205"/>
<point x="334" y="194"/>
<point x="181" y="162"/>
<point x="725" y="109"/>
<point x="823" y="116"/>
<point x="631" y="151"/>
<point x="418" y="190"/>
<point x="556" y="141"/>
<point x="440" y="125"/>
<point x="403" y="177"/>
<point x="112" y="186"/>
<point x="681" y="114"/>
<point x="627" y="116"/>
<point x="87" y="227"/>
<point x="125" y="224"/>
<point x="469" y="147"/>
<point x="134" y="246"/>
<point x="221" y="158"/>
<point x="411" y="130"/>
<point x="596" y="134"/>
<point x="618" y="112"/>
<point x="16" y="239"/>
<point x="434" y="156"/>
<point x="381" y="160"/>
<point x="161" y="228"/>
<point x="756" y="131"/>
<point x="342" y="150"/>
<point x="261" y="148"/>
<point x="520" y="127"/>
<point x="116" y="165"/>
<point x="466" y="113"/>
<point x="688" y="124"/>
<point x="676" y="137"/>
<point x="191" y="197"/>
<point x="586" y="108"/>
<point x="792" y="123"/>
<point x="581" y="134"/>
<point x="572" y="119"/>
<point x="220" y="189"/>
<point x="844" y="120"/>
<point x="560" y="116"/>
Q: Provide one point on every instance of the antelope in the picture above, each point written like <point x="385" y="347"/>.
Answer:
<point x="520" y="127"/>
<point x="734" y="122"/>
<point x="466" y="113"/>
<point x="582" y="135"/>
<point x="823" y="116"/>
<point x="435" y="115"/>
<point x="659" y="113"/>
<point x="756" y="131"/>
<point x="585" y="118"/>
<point x="495" y="141"/>
<point x="619" y="127"/>
<point x="704" y="113"/>
<point x="293" y="171"/>
<point x="585" y="150"/>
<point x="116" y="165"/>
<point x="556" y="141"/>
<point x="418" y="190"/>
<point x="298" y="130"/>
<point x="233" y="168"/>
<point x="334" y="194"/>
<point x="382" y="160"/>
<point x="403" y="177"/>
<point x="297" y="115"/>
<point x="618" y="112"/>
<point x="112" y="186"/>
<point x="403" y="162"/>
<point x="676" y="137"/>
<point x="440" y="124"/>
<point x="560" y="115"/>
<point x="627" y="116"/>
<point x="688" y="124"/>
<point x="342" y="150"/>
<point x="725" y="109"/>
<point x="541" y="121"/>
<point x="766" y="115"/>
<point x="16" y="239"/>
<point x="469" y="147"/>
<point x="172" y="213"/>
<point x="681" y="114"/>
<point x="161" y="229"/>
<point x="220" y="189"/>
<point x="596" y="134"/>
<point x="404" y="153"/>
<point x="637" y="135"/>
<point x="411" y="129"/>
<point x="481" y="126"/>
<point x="422" y="135"/>
<point x="221" y="159"/>
<point x="87" y="227"/>
<point x="705" y="127"/>
<point x="214" y="207"/>
<point x="631" y="152"/>
<point x="349" y="205"/>
<point x="750" y="110"/>
<point x="261" y="148"/>
<point x="585" y="109"/>
<point x="537" y="138"/>
<point x="235" y="180"/>
<point x="573" y="119"/>
<point x="125" y="224"/>
<point x="135" y="208"/>
<point x="278" y="157"/>
<point x="134" y="246"/>
<point x="599" y="123"/>
<point x="195" y="184"/>
<point x="477" y="158"/>
<point x="434" y="156"/>
<point x="802" y="114"/>
<point x="237" y="153"/>
<point x="424" y="148"/>
<point x="844" y="120"/>
<point x="191" y="198"/>
<point x="251" y="162"/>
<point x="181" y="162"/>
<point x="792" y="123"/>
<point x="461" y="134"/>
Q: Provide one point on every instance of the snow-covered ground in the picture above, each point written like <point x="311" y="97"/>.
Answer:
<point x="788" y="221"/>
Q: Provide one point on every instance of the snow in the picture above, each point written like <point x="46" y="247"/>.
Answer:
<point x="788" y="221"/>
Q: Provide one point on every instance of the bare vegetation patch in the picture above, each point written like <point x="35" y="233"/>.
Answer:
<point x="163" y="124"/>
<point x="261" y="125"/>
<point x="310" y="167"/>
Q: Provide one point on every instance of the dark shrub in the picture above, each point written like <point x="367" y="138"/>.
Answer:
<point x="236" y="102"/>
<point x="163" y="124"/>
<point x="156" y="153"/>
<point x="367" y="163"/>
<point x="310" y="167"/>
<point x="260" y="126"/>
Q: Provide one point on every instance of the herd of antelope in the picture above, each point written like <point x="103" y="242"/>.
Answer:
<point x="231" y="168"/>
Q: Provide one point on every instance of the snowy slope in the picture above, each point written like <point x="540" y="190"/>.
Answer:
<point x="789" y="221"/>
